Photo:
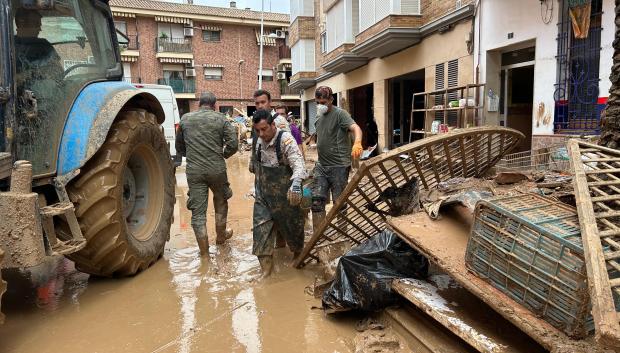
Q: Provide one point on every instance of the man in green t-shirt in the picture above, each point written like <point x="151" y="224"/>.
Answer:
<point x="333" y="133"/>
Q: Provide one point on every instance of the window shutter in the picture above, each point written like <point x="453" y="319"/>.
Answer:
<point x="439" y="84"/>
<point x="296" y="57"/>
<point x="294" y="9"/>
<point x="308" y="50"/>
<point x="367" y="14"/>
<point x="453" y="81"/>
<point x="213" y="71"/>
<point x="410" y="7"/>
<point x="382" y="10"/>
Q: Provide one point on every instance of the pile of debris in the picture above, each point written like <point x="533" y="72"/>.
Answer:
<point x="538" y="235"/>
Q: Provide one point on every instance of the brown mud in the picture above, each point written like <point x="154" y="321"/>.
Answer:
<point x="181" y="304"/>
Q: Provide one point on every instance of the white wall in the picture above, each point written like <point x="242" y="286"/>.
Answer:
<point x="301" y="8"/>
<point x="496" y="18"/>
<point x="302" y="56"/>
<point x="373" y="11"/>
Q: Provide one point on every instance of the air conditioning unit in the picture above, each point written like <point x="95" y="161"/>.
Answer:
<point x="188" y="31"/>
<point x="190" y="72"/>
<point x="280" y="33"/>
<point x="459" y="4"/>
<point x="281" y="75"/>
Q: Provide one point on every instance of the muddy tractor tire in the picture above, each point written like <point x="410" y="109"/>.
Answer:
<point x="124" y="198"/>
<point x="2" y="287"/>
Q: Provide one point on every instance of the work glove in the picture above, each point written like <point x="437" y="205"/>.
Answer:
<point x="357" y="150"/>
<point x="295" y="192"/>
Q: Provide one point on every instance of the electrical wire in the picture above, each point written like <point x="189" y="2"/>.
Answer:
<point x="546" y="14"/>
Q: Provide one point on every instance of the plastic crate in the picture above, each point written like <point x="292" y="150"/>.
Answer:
<point x="529" y="247"/>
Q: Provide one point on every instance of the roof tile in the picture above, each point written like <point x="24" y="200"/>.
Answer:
<point x="198" y="10"/>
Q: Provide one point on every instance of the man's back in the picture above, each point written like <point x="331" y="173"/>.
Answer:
<point x="209" y="138"/>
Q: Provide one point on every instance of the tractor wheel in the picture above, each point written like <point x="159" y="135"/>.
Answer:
<point x="2" y="287"/>
<point x="124" y="198"/>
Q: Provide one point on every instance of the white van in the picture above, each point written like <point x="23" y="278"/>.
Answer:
<point x="165" y="95"/>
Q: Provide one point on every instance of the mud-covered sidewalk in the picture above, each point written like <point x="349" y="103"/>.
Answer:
<point x="181" y="304"/>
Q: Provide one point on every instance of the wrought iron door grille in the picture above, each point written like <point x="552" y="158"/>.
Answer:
<point x="577" y="109"/>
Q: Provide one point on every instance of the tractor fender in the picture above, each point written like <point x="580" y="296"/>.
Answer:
<point x="91" y="116"/>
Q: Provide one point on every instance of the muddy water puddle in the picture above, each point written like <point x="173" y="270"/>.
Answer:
<point x="181" y="304"/>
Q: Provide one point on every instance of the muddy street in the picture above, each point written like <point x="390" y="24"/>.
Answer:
<point x="181" y="304"/>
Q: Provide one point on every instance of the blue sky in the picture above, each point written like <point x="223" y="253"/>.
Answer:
<point x="276" y="5"/>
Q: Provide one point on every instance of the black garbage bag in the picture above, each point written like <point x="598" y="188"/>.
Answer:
<point x="364" y="274"/>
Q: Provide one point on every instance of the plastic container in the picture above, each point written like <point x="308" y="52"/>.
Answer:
<point x="529" y="247"/>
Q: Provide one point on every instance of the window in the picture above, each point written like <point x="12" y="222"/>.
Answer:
<point x="213" y="73"/>
<point x="267" y="74"/>
<point x="121" y="26"/>
<point x="226" y="109"/>
<point x="211" y="36"/>
<point x="324" y="42"/>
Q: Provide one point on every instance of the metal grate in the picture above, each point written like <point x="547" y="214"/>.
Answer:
<point x="360" y="211"/>
<point x="544" y="159"/>
<point x="597" y="192"/>
<point x="577" y="87"/>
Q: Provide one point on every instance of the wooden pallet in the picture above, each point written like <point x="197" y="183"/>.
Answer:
<point x="463" y="153"/>
<point x="597" y="192"/>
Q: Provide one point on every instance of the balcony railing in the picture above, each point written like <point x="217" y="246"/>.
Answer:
<point x="284" y="52"/>
<point x="287" y="91"/>
<point x="174" y="45"/>
<point x="179" y="86"/>
<point x="133" y="79"/>
<point x="134" y="43"/>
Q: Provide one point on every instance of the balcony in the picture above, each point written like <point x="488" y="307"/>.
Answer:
<point x="133" y="43"/>
<point x="185" y="88"/>
<point x="342" y="60"/>
<point x="174" y="45"/>
<point x="288" y="93"/>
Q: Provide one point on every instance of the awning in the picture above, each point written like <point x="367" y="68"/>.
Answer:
<point x="287" y="67"/>
<point x="212" y="65"/>
<point x="210" y="28"/>
<point x="129" y="59"/>
<point x="175" y="60"/>
<point x="267" y="41"/>
<point x="168" y="19"/>
<point x="123" y="14"/>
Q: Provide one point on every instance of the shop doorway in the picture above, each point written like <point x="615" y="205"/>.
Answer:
<point x="401" y="93"/>
<point x="517" y="93"/>
<point x="361" y="110"/>
<point x="183" y="105"/>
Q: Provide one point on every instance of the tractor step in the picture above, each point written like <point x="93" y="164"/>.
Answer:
<point x="66" y="211"/>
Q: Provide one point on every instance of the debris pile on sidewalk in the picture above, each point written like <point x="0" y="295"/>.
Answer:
<point x="526" y="257"/>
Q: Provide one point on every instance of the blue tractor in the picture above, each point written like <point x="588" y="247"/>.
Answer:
<point x="85" y="170"/>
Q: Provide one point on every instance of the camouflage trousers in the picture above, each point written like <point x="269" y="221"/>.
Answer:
<point x="198" y="198"/>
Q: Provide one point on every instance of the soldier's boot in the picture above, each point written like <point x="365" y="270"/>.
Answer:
<point x="223" y="234"/>
<point x="266" y="266"/>
<point x="201" y="238"/>
<point x="317" y="220"/>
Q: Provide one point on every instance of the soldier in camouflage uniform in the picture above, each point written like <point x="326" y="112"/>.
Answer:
<point x="280" y="170"/>
<point x="207" y="138"/>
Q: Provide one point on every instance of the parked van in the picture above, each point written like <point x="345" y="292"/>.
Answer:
<point x="165" y="95"/>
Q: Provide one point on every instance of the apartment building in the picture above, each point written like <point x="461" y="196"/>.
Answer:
<point x="195" y="48"/>
<point x="376" y="53"/>
<point x="540" y="76"/>
<point x="545" y="80"/>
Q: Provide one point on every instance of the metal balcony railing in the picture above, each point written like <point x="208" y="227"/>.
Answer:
<point x="134" y="43"/>
<point x="179" y="86"/>
<point x="285" y="90"/>
<point x="174" y="45"/>
<point x="284" y="52"/>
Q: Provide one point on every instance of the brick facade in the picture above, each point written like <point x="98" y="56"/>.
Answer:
<point x="237" y="43"/>
<point x="301" y="28"/>
<point x="434" y="9"/>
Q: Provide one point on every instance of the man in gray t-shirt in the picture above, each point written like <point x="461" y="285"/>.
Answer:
<point x="333" y="133"/>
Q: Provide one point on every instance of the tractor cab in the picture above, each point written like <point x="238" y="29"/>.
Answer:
<point x="58" y="47"/>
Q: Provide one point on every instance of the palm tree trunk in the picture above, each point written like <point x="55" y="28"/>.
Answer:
<point x="610" y="129"/>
